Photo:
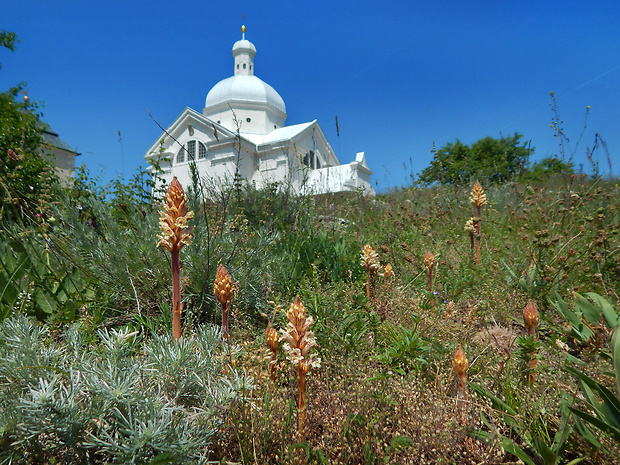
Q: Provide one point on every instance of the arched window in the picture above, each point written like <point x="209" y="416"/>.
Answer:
<point x="202" y="150"/>
<point x="188" y="152"/>
<point x="311" y="160"/>
<point x="191" y="150"/>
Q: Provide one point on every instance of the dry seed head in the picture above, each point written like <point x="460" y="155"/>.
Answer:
<point x="531" y="318"/>
<point x="370" y="259"/>
<point x="478" y="198"/>
<point x="429" y="261"/>
<point x="223" y="286"/>
<point x="173" y="219"/>
<point x="459" y="361"/>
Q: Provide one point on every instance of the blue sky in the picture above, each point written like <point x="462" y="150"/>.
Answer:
<point x="399" y="75"/>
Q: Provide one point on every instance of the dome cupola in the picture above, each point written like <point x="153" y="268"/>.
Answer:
<point x="244" y="97"/>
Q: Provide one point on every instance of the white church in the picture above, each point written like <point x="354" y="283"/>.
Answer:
<point x="241" y="132"/>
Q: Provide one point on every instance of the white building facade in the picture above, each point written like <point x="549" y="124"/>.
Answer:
<point x="241" y="133"/>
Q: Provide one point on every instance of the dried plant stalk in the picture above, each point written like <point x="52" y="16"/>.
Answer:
<point x="478" y="199"/>
<point x="370" y="261"/>
<point x="175" y="234"/>
<point x="299" y="342"/>
<point x="223" y="289"/>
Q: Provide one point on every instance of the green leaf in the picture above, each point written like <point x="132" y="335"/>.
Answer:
<point x="590" y="312"/>
<point x="611" y="315"/>
<point x="615" y="350"/>
<point x="579" y="328"/>
<point x="548" y="456"/>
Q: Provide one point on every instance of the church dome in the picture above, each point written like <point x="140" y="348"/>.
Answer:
<point x="242" y="88"/>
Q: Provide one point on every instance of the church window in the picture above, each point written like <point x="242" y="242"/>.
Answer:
<point x="191" y="150"/>
<point x="249" y="120"/>
<point x="202" y="150"/>
<point x="243" y="65"/>
<point x="309" y="160"/>
<point x="237" y="65"/>
<point x="181" y="155"/>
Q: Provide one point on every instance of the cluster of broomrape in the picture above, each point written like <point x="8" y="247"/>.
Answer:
<point x="299" y="340"/>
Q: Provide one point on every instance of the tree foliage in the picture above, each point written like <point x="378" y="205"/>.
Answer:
<point x="496" y="160"/>
<point x="24" y="175"/>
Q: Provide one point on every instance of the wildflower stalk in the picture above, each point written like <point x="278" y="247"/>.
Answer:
<point x="479" y="199"/>
<point x="429" y="264"/>
<point x="223" y="288"/>
<point x="271" y="337"/>
<point x="370" y="261"/>
<point x="175" y="234"/>
<point x="470" y="227"/>
<point x="460" y="365"/>
<point x="299" y="342"/>
<point x="531" y="318"/>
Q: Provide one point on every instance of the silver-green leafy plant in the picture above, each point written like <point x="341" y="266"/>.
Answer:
<point x="119" y="400"/>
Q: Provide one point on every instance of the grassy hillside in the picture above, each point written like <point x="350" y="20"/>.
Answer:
<point x="430" y="362"/>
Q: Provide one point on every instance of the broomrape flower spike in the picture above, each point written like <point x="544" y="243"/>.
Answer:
<point x="299" y="342"/>
<point x="478" y="199"/>
<point x="470" y="227"/>
<point x="370" y="261"/>
<point x="223" y="289"/>
<point x="429" y="264"/>
<point x="272" y="339"/>
<point x="175" y="234"/>
<point x="531" y="318"/>
<point x="460" y="365"/>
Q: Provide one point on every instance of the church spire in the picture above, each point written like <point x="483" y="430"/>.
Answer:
<point x="244" y="53"/>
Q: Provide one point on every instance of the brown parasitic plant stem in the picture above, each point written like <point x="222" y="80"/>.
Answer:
<point x="299" y="342"/>
<point x="429" y="264"/>
<point x="479" y="199"/>
<point x="370" y="261"/>
<point x="223" y="288"/>
<point x="531" y="318"/>
<point x="175" y="233"/>
<point x="176" y="295"/>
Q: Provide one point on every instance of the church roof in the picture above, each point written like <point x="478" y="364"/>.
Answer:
<point x="280" y="134"/>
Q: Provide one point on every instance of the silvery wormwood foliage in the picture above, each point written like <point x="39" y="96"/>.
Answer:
<point x="122" y="400"/>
